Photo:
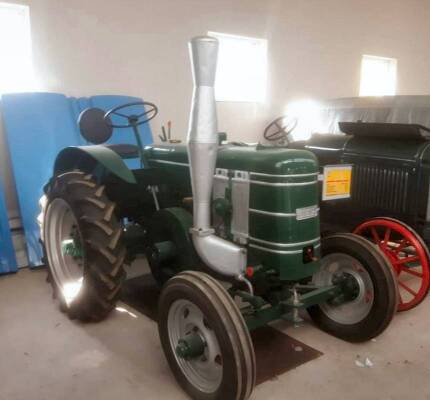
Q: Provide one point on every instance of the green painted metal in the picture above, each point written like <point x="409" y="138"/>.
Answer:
<point x="290" y="267"/>
<point x="70" y="157"/>
<point x="262" y="317"/>
<point x="261" y="159"/>
<point x="70" y="248"/>
<point x="271" y="192"/>
<point x="169" y="153"/>
<point x="222" y="207"/>
<point x="275" y="229"/>
<point x="191" y="346"/>
<point x="256" y="302"/>
<point x="169" y="231"/>
<point x="257" y="317"/>
<point x="267" y="160"/>
<point x="165" y="250"/>
<point x="180" y="222"/>
<point x="315" y="296"/>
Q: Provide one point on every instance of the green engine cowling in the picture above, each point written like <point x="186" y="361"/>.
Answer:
<point x="264" y="198"/>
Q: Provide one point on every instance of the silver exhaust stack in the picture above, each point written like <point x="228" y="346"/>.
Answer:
<point x="220" y="255"/>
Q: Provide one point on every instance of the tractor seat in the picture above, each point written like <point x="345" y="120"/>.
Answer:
<point x="96" y="129"/>
<point x="124" y="150"/>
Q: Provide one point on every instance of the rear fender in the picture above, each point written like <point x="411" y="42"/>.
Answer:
<point x="72" y="157"/>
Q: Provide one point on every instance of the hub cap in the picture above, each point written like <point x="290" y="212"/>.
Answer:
<point x="339" y="268"/>
<point x="203" y="371"/>
<point x="61" y="229"/>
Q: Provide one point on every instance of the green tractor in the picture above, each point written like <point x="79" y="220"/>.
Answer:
<point x="230" y="232"/>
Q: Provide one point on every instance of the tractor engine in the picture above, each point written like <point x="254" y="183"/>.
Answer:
<point x="268" y="200"/>
<point x="262" y="199"/>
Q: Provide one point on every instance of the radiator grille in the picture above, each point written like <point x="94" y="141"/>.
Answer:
<point x="382" y="187"/>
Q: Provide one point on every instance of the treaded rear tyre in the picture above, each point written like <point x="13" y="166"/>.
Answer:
<point x="385" y="291"/>
<point x="101" y="242"/>
<point x="223" y="318"/>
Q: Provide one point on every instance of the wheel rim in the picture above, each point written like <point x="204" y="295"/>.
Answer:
<point x="352" y="311"/>
<point x="203" y="372"/>
<point x="407" y="256"/>
<point x="67" y="270"/>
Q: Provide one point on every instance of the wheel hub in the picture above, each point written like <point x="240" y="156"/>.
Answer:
<point x="349" y="287"/>
<point x="195" y="345"/>
<point x="356" y="299"/>
<point x="192" y="346"/>
<point x="70" y="247"/>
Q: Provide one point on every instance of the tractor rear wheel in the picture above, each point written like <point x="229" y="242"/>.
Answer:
<point x="205" y="338"/>
<point x="408" y="255"/>
<point x="83" y="245"/>
<point x="369" y="294"/>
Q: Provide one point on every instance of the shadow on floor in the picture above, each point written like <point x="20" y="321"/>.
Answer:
<point x="141" y="293"/>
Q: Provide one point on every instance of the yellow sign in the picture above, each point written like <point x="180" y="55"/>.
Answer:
<point x="337" y="182"/>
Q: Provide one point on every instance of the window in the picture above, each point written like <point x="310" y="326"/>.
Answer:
<point x="241" y="69"/>
<point x="16" y="67"/>
<point x="378" y="76"/>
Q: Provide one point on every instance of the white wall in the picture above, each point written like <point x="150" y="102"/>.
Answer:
<point x="316" y="46"/>
<point x="138" y="47"/>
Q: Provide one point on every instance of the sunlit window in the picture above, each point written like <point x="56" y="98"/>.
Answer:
<point x="242" y="68"/>
<point x="16" y="67"/>
<point x="378" y="76"/>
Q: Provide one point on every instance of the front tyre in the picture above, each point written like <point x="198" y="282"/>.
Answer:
<point x="83" y="246"/>
<point x="205" y="338"/>
<point x="369" y="295"/>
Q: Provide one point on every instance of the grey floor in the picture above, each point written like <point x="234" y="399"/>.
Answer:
<point x="45" y="356"/>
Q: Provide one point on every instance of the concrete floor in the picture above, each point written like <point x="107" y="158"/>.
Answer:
<point x="45" y="356"/>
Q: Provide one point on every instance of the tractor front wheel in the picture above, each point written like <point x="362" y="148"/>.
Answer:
<point x="83" y="246"/>
<point x="205" y="338"/>
<point x="368" y="290"/>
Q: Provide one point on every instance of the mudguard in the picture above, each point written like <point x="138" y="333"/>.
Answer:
<point x="70" y="157"/>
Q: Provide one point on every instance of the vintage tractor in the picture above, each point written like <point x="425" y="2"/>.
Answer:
<point x="386" y="198"/>
<point x="249" y="252"/>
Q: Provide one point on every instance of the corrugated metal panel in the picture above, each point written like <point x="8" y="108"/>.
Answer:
<point x="381" y="186"/>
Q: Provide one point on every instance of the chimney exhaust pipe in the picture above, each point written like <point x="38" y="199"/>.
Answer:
<point x="220" y="255"/>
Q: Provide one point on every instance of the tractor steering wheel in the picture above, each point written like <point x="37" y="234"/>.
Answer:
<point x="150" y="110"/>
<point x="280" y="129"/>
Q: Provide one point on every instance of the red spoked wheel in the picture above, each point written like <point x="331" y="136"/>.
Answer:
<point x="407" y="253"/>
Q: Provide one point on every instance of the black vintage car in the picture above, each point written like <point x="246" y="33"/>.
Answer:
<point x="386" y="141"/>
